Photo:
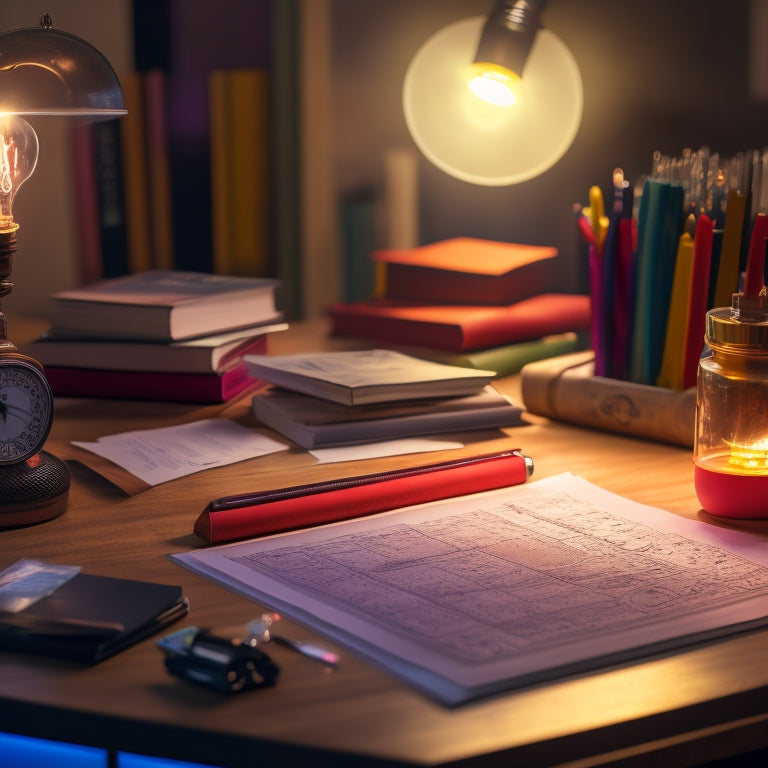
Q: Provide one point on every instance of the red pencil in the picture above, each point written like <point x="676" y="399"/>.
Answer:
<point x="754" y="277"/>
<point x="697" y="299"/>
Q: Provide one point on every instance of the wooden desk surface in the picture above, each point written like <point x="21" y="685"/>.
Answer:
<point x="681" y="709"/>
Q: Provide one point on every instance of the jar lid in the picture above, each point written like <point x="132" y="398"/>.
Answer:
<point x="743" y="325"/>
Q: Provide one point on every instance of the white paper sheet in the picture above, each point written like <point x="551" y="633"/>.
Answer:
<point x="383" y="448"/>
<point x="489" y="592"/>
<point x="158" y="455"/>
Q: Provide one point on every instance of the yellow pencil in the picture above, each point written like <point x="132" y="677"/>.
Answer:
<point x="596" y="209"/>
<point x="671" y="372"/>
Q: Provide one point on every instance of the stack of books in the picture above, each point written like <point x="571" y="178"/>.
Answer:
<point x="158" y="335"/>
<point x="469" y="302"/>
<point x="363" y="396"/>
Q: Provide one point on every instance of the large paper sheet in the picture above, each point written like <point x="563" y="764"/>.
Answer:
<point x="498" y="590"/>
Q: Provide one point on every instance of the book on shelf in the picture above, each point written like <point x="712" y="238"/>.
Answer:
<point x="133" y="143"/>
<point x="566" y="389"/>
<point x="357" y="377"/>
<point x="205" y="354"/>
<point x="165" y="305"/>
<point x="207" y="388"/>
<point x="466" y="270"/>
<point x="111" y="197"/>
<point x="86" y="192"/>
<point x="313" y="423"/>
<point x="89" y="618"/>
<point x="459" y="328"/>
<point x="239" y="122"/>
<point x="160" y="190"/>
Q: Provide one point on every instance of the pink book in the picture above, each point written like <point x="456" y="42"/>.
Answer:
<point x="139" y="385"/>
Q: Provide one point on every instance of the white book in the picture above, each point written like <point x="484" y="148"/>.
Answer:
<point x="165" y="305"/>
<point x="206" y="354"/>
<point x="366" y="376"/>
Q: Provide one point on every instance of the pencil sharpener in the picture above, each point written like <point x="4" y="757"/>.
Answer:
<point x="217" y="662"/>
<point x="731" y="443"/>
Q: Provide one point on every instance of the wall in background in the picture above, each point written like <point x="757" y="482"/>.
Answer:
<point x="657" y="75"/>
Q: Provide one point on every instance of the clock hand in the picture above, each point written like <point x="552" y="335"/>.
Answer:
<point x="11" y="407"/>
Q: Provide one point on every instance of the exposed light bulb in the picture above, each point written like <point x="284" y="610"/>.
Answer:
<point x="18" y="158"/>
<point x="494" y="84"/>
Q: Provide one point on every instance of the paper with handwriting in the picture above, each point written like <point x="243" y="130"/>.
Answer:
<point x="485" y="593"/>
<point x="159" y="455"/>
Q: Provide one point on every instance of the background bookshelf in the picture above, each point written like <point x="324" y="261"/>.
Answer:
<point x="148" y="190"/>
<point x="336" y="69"/>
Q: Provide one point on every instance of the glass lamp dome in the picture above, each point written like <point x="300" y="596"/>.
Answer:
<point x="44" y="71"/>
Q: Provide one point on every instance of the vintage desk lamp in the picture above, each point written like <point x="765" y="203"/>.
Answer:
<point x="43" y="72"/>
<point x="494" y="101"/>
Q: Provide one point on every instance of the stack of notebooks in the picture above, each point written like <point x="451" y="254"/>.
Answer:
<point x="362" y="396"/>
<point x="470" y="302"/>
<point x="158" y="335"/>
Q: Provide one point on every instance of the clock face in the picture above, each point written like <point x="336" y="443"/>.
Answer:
<point x="26" y="410"/>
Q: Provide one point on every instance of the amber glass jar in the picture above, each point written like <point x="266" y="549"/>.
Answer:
<point x="731" y="445"/>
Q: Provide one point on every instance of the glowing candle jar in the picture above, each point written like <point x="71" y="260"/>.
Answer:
<point x="731" y="445"/>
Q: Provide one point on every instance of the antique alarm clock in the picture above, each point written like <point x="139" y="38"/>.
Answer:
<point x="34" y="485"/>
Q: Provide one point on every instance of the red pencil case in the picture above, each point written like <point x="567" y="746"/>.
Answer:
<point x="265" y="512"/>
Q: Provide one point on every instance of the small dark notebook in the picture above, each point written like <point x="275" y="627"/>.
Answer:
<point x="90" y="618"/>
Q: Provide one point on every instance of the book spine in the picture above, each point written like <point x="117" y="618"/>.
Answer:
<point x="109" y="179"/>
<point x="406" y="282"/>
<point x="510" y="359"/>
<point x="219" y="98"/>
<point x="285" y="163"/>
<point x="564" y="388"/>
<point x="135" y="179"/>
<point x="401" y="198"/>
<point x="159" y="188"/>
<point x="358" y="217"/>
<point x="87" y="202"/>
<point x="347" y="321"/>
<point x="241" y="145"/>
<point x="140" y="385"/>
<point x="451" y="331"/>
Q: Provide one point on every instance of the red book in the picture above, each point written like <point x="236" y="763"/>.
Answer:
<point x="466" y="270"/>
<point x="460" y="328"/>
<point x="87" y="202"/>
<point x="140" y="385"/>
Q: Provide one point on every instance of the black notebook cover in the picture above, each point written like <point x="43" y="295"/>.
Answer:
<point x="90" y="618"/>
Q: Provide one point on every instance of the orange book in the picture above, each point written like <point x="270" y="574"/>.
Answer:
<point x="466" y="270"/>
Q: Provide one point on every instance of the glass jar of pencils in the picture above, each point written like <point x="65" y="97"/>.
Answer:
<point x="731" y="444"/>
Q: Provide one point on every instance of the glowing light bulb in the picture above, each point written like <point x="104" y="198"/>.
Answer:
<point x="495" y="84"/>
<point x="18" y="158"/>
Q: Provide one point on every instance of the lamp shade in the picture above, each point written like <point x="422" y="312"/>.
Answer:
<point x="44" y="71"/>
<point x="479" y="142"/>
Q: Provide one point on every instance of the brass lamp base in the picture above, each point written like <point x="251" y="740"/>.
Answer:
<point x="33" y="491"/>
